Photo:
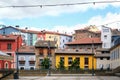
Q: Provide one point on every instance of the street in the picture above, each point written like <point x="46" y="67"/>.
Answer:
<point x="70" y="78"/>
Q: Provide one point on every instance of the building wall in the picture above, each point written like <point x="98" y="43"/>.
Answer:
<point x="79" y="34"/>
<point x="14" y="45"/>
<point x="106" y="37"/>
<point x="63" y="40"/>
<point x="82" y="60"/>
<point x="8" y="30"/>
<point x="5" y="64"/>
<point x="26" y="57"/>
<point x="45" y="55"/>
<point x="34" y="38"/>
<point x="53" y="37"/>
<point x="87" y="47"/>
<point x="115" y="57"/>
<point x="102" y="63"/>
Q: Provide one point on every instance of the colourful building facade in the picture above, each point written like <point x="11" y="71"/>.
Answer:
<point x="86" y="60"/>
<point x="5" y="61"/>
<point x="9" y="44"/>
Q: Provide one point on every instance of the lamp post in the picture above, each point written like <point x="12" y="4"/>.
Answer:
<point x="16" y="75"/>
<point x="93" y="58"/>
<point x="49" y="57"/>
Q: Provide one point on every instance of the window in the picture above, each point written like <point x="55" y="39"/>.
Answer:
<point x="31" y="68"/>
<point x="86" y="60"/>
<point x="86" y="67"/>
<point x="69" y="60"/>
<point x="63" y="41"/>
<point x="49" y="36"/>
<point x="41" y="60"/>
<point x="6" y="65"/>
<point x="108" y="58"/>
<point x="9" y="46"/>
<point x="101" y="58"/>
<point x="49" y="51"/>
<point x="78" y="59"/>
<point x="62" y="58"/>
<point x="21" y="68"/>
<point x="41" y="52"/>
<point x="105" y="36"/>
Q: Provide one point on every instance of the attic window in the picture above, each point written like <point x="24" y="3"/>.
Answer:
<point x="77" y="50"/>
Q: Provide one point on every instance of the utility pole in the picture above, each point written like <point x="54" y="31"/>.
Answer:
<point x="93" y="58"/>
<point x="49" y="57"/>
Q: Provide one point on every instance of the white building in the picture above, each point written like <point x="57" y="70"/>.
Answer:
<point x="102" y="59"/>
<point x="115" y="56"/>
<point x="106" y="37"/>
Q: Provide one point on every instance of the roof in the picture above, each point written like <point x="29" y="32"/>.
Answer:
<point x="86" y="41"/>
<point x="8" y="27"/>
<point x="52" y="32"/>
<point x="91" y="28"/>
<point x="3" y="54"/>
<point x="26" y="49"/>
<point x="8" y="37"/>
<point x="73" y="51"/>
<point x="103" y="49"/>
<point x="102" y="55"/>
<point x="41" y="43"/>
<point x="29" y="31"/>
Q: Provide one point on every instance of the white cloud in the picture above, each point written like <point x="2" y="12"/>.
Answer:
<point x="19" y="13"/>
<point x="110" y="20"/>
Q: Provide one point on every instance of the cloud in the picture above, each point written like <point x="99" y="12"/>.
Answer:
<point x="19" y="13"/>
<point x="110" y="20"/>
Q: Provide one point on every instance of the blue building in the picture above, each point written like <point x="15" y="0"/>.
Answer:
<point x="64" y="38"/>
<point x="26" y="58"/>
<point x="29" y="36"/>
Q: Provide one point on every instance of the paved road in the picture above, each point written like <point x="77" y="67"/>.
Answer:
<point x="71" y="78"/>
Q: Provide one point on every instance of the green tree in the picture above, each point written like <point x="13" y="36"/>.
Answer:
<point x="45" y="63"/>
<point x="75" y="64"/>
<point x="61" y="65"/>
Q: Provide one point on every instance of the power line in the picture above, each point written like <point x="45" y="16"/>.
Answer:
<point x="52" y="5"/>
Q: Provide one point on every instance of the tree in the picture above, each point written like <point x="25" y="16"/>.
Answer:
<point x="61" y="65"/>
<point x="75" y="64"/>
<point x="45" y="63"/>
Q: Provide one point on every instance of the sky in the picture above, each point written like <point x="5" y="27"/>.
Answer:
<point x="65" y="18"/>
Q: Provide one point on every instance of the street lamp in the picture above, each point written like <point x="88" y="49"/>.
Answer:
<point x="49" y="57"/>
<point x="16" y="75"/>
<point x="93" y="58"/>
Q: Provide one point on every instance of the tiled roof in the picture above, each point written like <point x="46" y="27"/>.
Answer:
<point x="29" y="31"/>
<point x="86" y="41"/>
<point x="26" y="49"/>
<point x="8" y="37"/>
<point x="56" y="33"/>
<point x="41" y="43"/>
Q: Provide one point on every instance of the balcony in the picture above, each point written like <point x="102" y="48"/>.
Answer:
<point x="21" y="61"/>
<point x="31" y="62"/>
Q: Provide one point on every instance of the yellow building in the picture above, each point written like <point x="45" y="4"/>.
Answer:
<point x="86" y="59"/>
<point x="53" y="36"/>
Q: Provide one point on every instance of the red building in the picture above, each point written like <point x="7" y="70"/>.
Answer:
<point x="5" y="61"/>
<point x="9" y="44"/>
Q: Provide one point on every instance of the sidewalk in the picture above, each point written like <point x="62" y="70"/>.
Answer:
<point x="72" y="77"/>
